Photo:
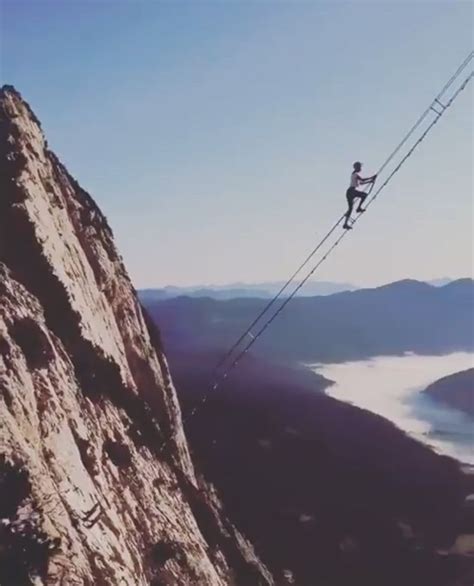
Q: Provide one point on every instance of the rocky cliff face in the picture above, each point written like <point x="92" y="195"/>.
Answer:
<point x="96" y="482"/>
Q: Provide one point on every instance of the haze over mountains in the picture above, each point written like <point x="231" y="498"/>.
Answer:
<point x="236" y="290"/>
<point x="406" y="316"/>
<point x="259" y="290"/>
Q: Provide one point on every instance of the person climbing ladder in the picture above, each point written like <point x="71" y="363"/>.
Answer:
<point x="353" y="193"/>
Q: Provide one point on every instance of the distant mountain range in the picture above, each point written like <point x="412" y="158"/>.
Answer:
<point x="405" y="316"/>
<point x="257" y="290"/>
<point x="239" y="290"/>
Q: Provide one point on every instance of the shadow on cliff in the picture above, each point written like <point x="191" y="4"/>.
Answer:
<point x="25" y="548"/>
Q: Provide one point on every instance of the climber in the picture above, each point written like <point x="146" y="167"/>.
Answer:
<point x="352" y="193"/>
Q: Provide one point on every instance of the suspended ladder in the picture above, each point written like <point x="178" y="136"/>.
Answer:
<point x="328" y="243"/>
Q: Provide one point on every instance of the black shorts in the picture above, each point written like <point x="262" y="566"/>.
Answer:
<point x="352" y="193"/>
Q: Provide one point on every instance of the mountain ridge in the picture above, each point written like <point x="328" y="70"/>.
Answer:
<point x="259" y="290"/>
<point x="404" y="316"/>
<point x="455" y="390"/>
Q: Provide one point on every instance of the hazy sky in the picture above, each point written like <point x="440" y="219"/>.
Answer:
<point x="218" y="136"/>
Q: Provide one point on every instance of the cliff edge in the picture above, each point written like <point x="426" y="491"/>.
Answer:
<point x="96" y="482"/>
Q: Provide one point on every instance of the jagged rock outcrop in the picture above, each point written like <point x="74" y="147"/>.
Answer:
<point x="96" y="482"/>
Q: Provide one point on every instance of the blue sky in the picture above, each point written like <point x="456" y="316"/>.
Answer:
<point x="218" y="136"/>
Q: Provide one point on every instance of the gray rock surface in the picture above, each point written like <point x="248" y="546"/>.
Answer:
<point x="96" y="481"/>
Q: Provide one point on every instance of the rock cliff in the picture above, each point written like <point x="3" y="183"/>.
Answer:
<point x="96" y="480"/>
